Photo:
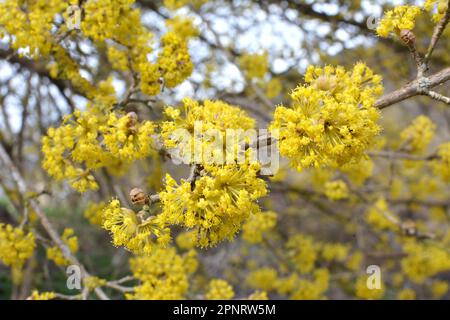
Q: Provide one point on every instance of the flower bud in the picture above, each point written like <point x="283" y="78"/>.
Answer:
<point x="408" y="37"/>
<point x="138" y="197"/>
<point x="409" y="227"/>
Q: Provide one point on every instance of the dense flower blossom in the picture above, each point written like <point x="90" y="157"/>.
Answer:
<point x="336" y="190"/>
<point x="219" y="290"/>
<point x="332" y="121"/>
<point x="257" y="225"/>
<point x="138" y="234"/>
<point x="397" y="19"/>
<point x="163" y="275"/>
<point x="193" y="118"/>
<point x="16" y="246"/>
<point x="73" y="150"/>
<point x="254" y="66"/>
<point x="424" y="260"/>
<point x="217" y="204"/>
<point x="94" y="213"/>
<point x="417" y="136"/>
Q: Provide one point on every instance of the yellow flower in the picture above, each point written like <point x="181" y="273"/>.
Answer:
<point x="217" y="204"/>
<point x="200" y="119"/>
<point x="303" y="252"/>
<point x="376" y="216"/>
<point x="424" y="261"/>
<point x="335" y="251"/>
<point x="174" y="61"/>
<point x="441" y="165"/>
<point x="439" y="288"/>
<point x="16" y="246"/>
<point x="406" y="294"/>
<point x="35" y="295"/>
<point x="258" y="224"/>
<point x="73" y="150"/>
<point x="333" y="120"/>
<point x="138" y="234"/>
<point x="264" y="279"/>
<point x="93" y="282"/>
<point x="258" y="295"/>
<point x="183" y="27"/>
<point x="336" y="190"/>
<point x="254" y="66"/>
<point x="397" y="19"/>
<point x="163" y="275"/>
<point x="219" y="290"/>
<point x="94" y="213"/>
<point x="418" y="135"/>
<point x="55" y="254"/>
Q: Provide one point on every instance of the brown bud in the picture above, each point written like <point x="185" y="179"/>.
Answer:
<point x="138" y="197"/>
<point x="408" y="37"/>
<point x="409" y="227"/>
<point x="132" y="119"/>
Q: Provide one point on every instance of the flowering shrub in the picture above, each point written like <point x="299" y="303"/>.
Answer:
<point x="153" y="147"/>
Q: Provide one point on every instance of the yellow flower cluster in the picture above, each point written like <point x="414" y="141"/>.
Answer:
<point x="406" y="294"/>
<point x="217" y="205"/>
<point x="73" y="150"/>
<point x="334" y="251"/>
<point x="336" y="190"/>
<point x="397" y="19"/>
<point x="15" y="245"/>
<point x="92" y="282"/>
<point x="174" y="61"/>
<point x="55" y="254"/>
<point x="186" y="240"/>
<point x="94" y="213"/>
<point x="183" y="27"/>
<point x="273" y="88"/>
<point x="258" y="295"/>
<point x="35" y="295"/>
<point x="424" y="260"/>
<point x="219" y="290"/>
<point x="312" y="289"/>
<point x="418" y="135"/>
<point x="254" y="66"/>
<point x="441" y="165"/>
<point x="333" y="120"/>
<point x="163" y="275"/>
<point x="375" y="216"/>
<point x="439" y="5"/>
<point x="257" y="224"/>
<point x="439" y="288"/>
<point x="31" y="28"/>
<point x="293" y="285"/>
<point x="127" y="139"/>
<point x="263" y="278"/>
<point x="303" y="252"/>
<point x="363" y="291"/>
<point x="108" y="19"/>
<point x="136" y="233"/>
<point x="202" y="119"/>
